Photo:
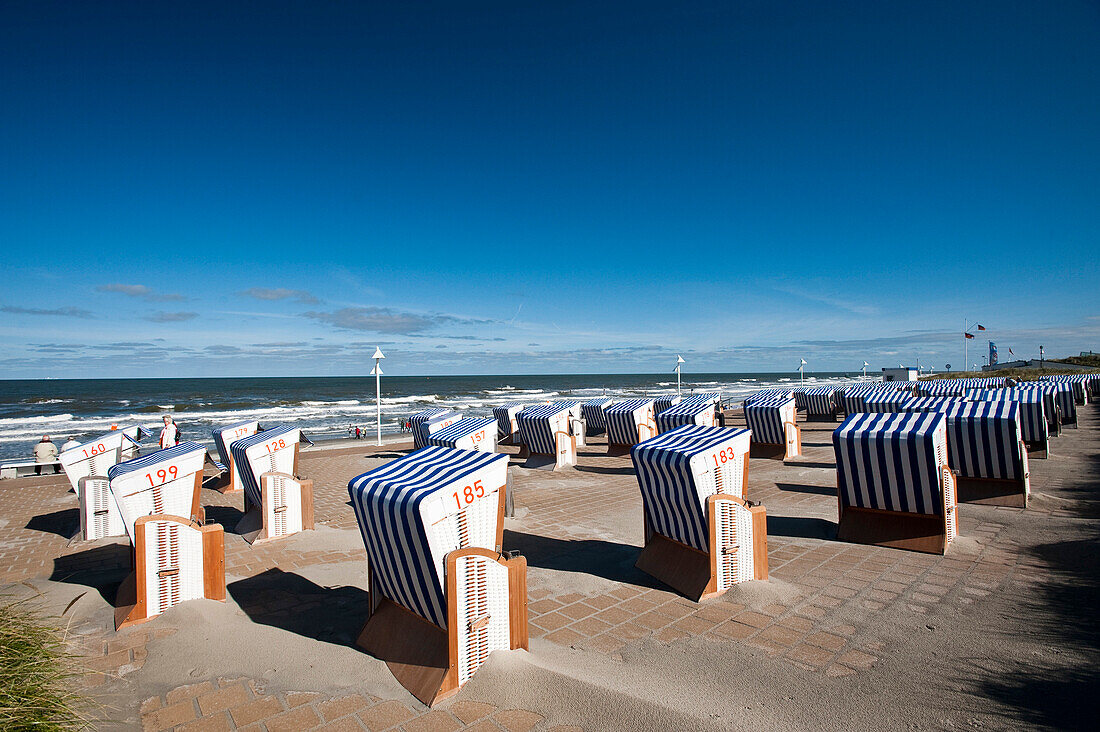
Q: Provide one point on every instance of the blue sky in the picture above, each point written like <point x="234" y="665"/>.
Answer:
<point x="502" y="187"/>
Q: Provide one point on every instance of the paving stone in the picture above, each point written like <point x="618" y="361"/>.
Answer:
<point x="384" y="715"/>
<point x="517" y="720"/>
<point x="433" y="721"/>
<point x="471" y="711"/>
<point x="220" y="699"/>
<point x="255" y="710"/>
<point x="169" y="716"/>
<point x="342" y="706"/>
<point x="216" y="723"/>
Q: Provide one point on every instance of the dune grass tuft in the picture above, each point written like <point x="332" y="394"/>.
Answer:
<point x="37" y="674"/>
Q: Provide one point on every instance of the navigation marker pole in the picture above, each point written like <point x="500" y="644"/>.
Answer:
<point x="377" y="371"/>
<point x="679" y="360"/>
<point x="802" y="372"/>
<point x="865" y="365"/>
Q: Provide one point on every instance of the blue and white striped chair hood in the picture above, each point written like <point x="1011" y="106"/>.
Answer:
<point x="281" y="459"/>
<point x="662" y="403"/>
<point x="622" y="420"/>
<point x="672" y="501"/>
<point x="1033" y="419"/>
<point x="707" y="397"/>
<point x="886" y="401"/>
<point x="538" y="424"/>
<point x="1063" y="396"/>
<point x="983" y="439"/>
<point x="417" y="420"/>
<point x="449" y="436"/>
<point x="820" y="400"/>
<point x="891" y="462"/>
<point x="219" y="434"/>
<point x="769" y="394"/>
<point x="1078" y="382"/>
<point x="930" y="403"/>
<point x="942" y="387"/>
<point x="504" y="414"/>
<point x="765" y="419"/>
<point x="425" y="428"/>
<point x="593" y="411"/>
<point x="395" y="506"/>
<point x="684" y="413"/>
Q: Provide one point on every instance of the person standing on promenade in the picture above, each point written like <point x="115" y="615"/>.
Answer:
<point x="168" y="434"/>
<point x="45" y="452"/>
<point x="69" y="444"/>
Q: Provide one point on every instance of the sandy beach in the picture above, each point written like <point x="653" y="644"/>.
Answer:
<point x="994" y="635"/>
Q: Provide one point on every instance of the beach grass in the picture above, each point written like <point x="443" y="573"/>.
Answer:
<point x="38" y="675"/>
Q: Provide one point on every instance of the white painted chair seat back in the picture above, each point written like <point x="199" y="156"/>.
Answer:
<point x="99" y="514"/>
<point x="173" y="563"/>
<point x="483" y="612"/>
<point x="733" y="550"/>
<point x="283" y="509"/>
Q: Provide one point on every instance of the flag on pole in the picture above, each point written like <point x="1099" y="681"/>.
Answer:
<point x="981" y="327"/>
<point x="969" y="335"/>
<point x="1010" y="353"/>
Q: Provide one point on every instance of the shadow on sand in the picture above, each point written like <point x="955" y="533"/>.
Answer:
<point x="102" y="568"/>
<point x="291" y="602"/>
<point x="605" y="559"/>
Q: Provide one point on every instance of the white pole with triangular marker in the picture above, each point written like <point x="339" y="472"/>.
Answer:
<point x="679" y="360"/>
<point x="802" y="372"/>
<point x="865" y="365"/>
<point x="377" y="371"/>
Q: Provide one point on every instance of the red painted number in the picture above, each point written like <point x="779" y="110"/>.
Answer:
<point x="724" y="455"/>
<point x="163" y="475"/>
<point x="96" y="449"/>
<point x="275" y="445"/>
<point x="469" y="493"/>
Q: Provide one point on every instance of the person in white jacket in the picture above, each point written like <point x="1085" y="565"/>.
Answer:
<point x="168" y="434"/>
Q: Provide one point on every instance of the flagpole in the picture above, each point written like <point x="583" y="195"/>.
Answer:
<point x="377" y="371"/>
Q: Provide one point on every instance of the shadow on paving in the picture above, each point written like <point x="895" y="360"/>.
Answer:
<point x="65" y="523"/>
<point x="291" y="602"/>
<point x="817" y="490"/>
<point x="1058" y="688"/>
<point x="102" y="568"/>
<point x="596" y="557"/>
<point x="227" y="516"/>
<point x="800" y="464"/>
<point x="605" y="471"/>
<point x="801" y="527"/>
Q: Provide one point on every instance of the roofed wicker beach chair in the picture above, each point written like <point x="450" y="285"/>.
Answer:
<point x="230" y="480"/>
<point x="86" y="467"/>
<point x="628" y="423"/>
<point x="1034" y="425"/>
<point x="686" y="412"/>
<point x="576" y="422"/>
<point x="277" y="502"/>
<point x="662" y="403"/>
<point x="895" y="487"/>
<point x="546" y="431"/>
<point x="883" y="402"/>
<point x="775" y="434"/>
<point x="985" y="447"/>
<point x="595" y="422"/>
<point x="942" y="388"/>
<point x="1064" y="396"/>
<point x="1078" y="382"/>
<point x="507" y="425"/>
<point x="176" y="557"/>
<point x="442" y="595"/>
<point x="770" y="394"/>
<point x="427" y="421"/>
<point x="850" y="398"/>
<point x="820" y="404"/>
<point x="468" y="433"/>
<point x="701" y="535"/>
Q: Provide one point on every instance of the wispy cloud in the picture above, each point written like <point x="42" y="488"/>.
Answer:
<point x="163" y="317"/>
<point x="280" y="293"/>
<point x="142" y="291"/>
<point x="65" y="312"/>
<point x="388" y="320"/>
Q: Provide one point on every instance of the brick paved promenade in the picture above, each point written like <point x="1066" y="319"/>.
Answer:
<point x="832" y="613"/>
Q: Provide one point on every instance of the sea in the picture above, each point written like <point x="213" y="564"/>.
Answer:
<point x="324" y="407"/>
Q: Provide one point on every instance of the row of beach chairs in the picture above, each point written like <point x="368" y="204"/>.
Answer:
<point x="154" y="501"/>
